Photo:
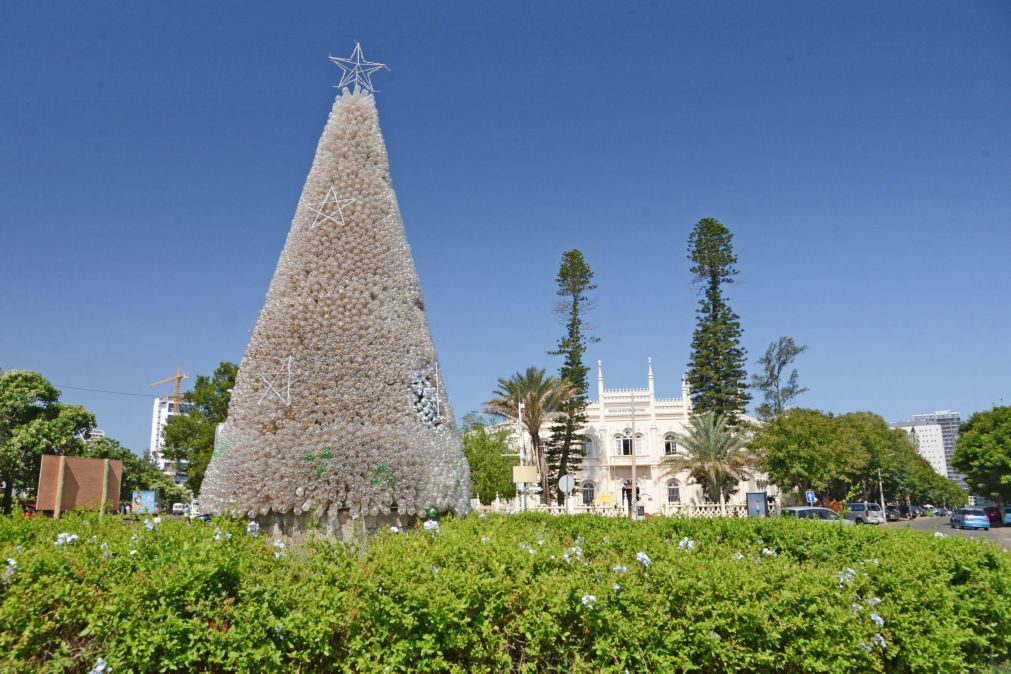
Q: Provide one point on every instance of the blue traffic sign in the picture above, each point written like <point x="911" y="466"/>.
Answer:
<point x="810" y="496"/>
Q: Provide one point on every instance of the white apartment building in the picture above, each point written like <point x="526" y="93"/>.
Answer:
<point x="633" y="430"/>
<point x="929" y="441"/>
<point x="163" y="409"/>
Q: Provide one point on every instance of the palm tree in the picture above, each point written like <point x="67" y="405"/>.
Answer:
<point x="716" y="455"/>
<point x="542" y="396"/>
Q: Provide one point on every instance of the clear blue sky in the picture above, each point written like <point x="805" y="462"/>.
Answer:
<point x="151" y="156"/>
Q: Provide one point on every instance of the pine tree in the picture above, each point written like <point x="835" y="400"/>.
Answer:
<point x="338" y="407"/>
<point x="566" y="445"/>
<point x="716" y="371"/>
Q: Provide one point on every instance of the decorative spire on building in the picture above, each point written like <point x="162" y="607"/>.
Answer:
<point x="600" y="381"/>
<point x="649" y="376"/>
<point x="686" y="392"/>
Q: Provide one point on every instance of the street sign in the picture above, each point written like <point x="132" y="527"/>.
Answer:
<point x="524" y="474"/>
<point x="809" y="494"/>
<point x="566" y="483"/>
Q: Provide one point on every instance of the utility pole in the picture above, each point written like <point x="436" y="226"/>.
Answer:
<point x="881" y="493"/>
<point x="523" y="450"/>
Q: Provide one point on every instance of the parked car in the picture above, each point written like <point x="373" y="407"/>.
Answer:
<point x="993" y="514"/>
<point x="178" y="508"/>
<point x="943" y="512"/>
<point x="970" y="518"/>
<point x="813" y="513"/>
<point x="929" y="510"/>
<point x="864" y="513"/>
<point x="1006" y="517"/>
<point x="893" y="514"/>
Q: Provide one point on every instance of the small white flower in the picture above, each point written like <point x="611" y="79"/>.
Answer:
<point x="769" y="552"/>
<point x="938" y="534"/>
<point x="856" y="608"/>
<point x="588" y="600"/>
<point x="394" y="530"/>
<point x="149" y="525"/>
<point x="278" y="555"/>
<point x="864" y="646"/>
<point x="878" y="620"/>
<point x="101" y="667"/>
<point x="738" y="555"/>
<point x="65" y="538"/>
<point x="873" y="601"/>
<point x="11" y="561"/>
<point x="880" y="640"/>
<point x="253" y="528"/>
<point x="483" y="515"/>
<point x="616" y="587"/>
<point x="643" y="559"/>
<point x="278" y="543"/>
<point x="485" y="539"/>
<point x="619" y="568"/>
<point x="133" y="552"/>
<point x="431" y="525"/>
<point x="687" y="544"/>
<point x="435" y="569"/>
<point x="157" y="520"/>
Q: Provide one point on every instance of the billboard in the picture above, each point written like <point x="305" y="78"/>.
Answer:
<point x="143" y="503"/>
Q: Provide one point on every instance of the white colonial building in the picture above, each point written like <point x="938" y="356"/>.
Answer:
<point x="630" y="432"/>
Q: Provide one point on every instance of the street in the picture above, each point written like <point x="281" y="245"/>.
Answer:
<point x="999" y="535"/>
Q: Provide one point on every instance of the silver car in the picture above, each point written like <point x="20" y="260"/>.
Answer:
<point x="864" y="512"/>
<point x="813" y="513"/>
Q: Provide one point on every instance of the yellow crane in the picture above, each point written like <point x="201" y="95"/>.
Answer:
<point x="178" y="379"/>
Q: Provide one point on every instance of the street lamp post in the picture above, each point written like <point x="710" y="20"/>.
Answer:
<point x="523" y="450"/>
<point x="634" y="496"/>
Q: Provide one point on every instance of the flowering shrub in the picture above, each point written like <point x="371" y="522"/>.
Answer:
<point x="209" y="597"/>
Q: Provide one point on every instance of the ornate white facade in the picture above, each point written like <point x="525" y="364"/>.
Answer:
<point x="620" y="419"/>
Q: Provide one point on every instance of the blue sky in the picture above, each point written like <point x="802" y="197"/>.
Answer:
<point x="152" y="155"/>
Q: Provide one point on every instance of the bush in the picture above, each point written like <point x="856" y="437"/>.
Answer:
<point x="502" y="593"/>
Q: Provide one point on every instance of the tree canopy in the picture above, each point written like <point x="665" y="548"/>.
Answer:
<point x="769" y="380"/>
<point x="983" y="453"/>
<point x="190" y="436"/>
<point x="486" y="448"/>
<point x="33" y="421"/>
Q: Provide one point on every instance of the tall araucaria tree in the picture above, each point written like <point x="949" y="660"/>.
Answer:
<point x="339" y="408"/>
<point x="565" y="445"/>
<point x="543" y="397"/>
<point x="716" y="371"/>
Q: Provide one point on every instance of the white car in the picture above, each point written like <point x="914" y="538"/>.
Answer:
<point x="813" y="513"/>
<point x="864" y="512"/>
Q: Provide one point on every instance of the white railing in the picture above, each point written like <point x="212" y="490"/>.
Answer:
<point x="692" y="511"/>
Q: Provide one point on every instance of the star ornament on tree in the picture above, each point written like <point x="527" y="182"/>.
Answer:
<point x="331" y="209"/>
<point x="279" y="383"/>
<point x="356" y="70"/>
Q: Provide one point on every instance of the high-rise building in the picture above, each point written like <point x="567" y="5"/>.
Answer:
<point x="949" y="422"/>
<point x="929" y="441"/>
<point x="164" y="409"/>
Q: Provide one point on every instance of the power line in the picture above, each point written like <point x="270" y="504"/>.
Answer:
<point x="117" y="393"/>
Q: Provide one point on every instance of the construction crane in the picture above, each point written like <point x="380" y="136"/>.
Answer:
<point x="178" y="379"/>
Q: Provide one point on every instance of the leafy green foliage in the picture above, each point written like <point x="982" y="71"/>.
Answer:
<point x="716" y="456"/>
<point x="565" y="446"/>
<point x="983" y="453"/>
<point x="716" y="367"/>
<point x="839" y="457"/>
<point x="543" y="396"/>
<point x="503" y="593"/>
<point x="490" y="469"/>
<point x="32" y="422"/>
<point x="777" y="394"/>
<point x="190" y="436"/>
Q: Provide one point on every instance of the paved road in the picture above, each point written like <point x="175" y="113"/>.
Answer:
<point x="999" y="535"/>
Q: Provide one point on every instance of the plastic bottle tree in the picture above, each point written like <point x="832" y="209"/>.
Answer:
<point x="338" y="407"/>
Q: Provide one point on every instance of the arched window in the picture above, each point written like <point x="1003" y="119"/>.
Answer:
<point x="673" y="492"/>
<point x="670" y="444"/>
<point x="639" y="451"/>
<point x="623" y="443"/>
<point x="588" y="446"/>
<point x="589" y="492"/>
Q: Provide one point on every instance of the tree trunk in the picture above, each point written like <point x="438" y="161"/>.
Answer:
<point x="8" y="494"/>
<point x="542" y="467"/>
<point x="723" y="502"/>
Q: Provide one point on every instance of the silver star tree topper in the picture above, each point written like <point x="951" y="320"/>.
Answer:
<point x="356" y="70"/>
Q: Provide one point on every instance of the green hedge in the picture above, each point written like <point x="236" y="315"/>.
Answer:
<point x="497" y="593"/>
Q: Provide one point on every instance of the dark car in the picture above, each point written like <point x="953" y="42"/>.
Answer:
<point x="893" y="514"/>
<point x="993" y="514"/>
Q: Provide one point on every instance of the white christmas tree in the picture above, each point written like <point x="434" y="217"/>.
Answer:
<point x="338" y="408"/>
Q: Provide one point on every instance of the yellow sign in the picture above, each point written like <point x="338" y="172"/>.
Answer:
<point x="524" y="474"/>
